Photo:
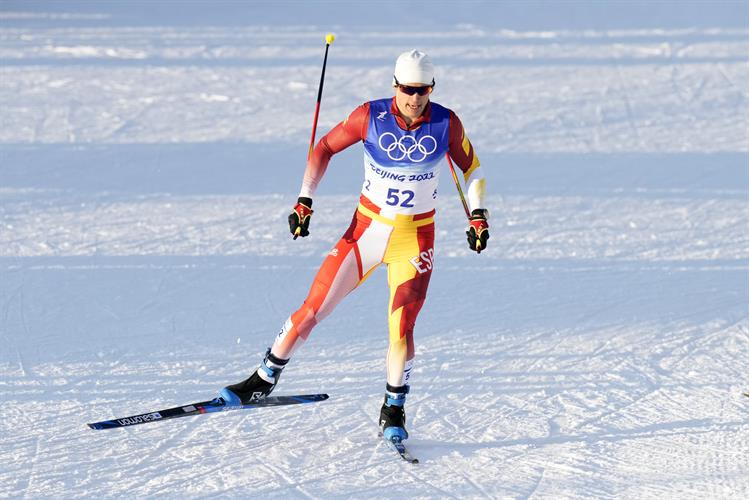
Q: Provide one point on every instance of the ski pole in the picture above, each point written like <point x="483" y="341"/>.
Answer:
<point x="457" y="184"/>
<point x="462" y="197"/>
<point x="328" y="40"/>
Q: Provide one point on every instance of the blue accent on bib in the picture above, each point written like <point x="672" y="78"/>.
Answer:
<point x="388" y="145"/>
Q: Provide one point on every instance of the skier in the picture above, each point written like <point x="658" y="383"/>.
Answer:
<point x="405" y="140"/>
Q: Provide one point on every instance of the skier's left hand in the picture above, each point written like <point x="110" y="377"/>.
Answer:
<point x="478" y="230"/>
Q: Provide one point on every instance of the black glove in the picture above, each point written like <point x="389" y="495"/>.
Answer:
<point x="478" y="230"/>
<point x="299" y="218"/>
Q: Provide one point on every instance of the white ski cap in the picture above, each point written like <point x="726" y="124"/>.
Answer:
<point x="413" y="66"/>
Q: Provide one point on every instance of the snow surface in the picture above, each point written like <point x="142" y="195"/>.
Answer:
<point x="150" y="152"/>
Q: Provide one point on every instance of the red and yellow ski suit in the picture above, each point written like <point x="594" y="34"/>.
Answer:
<point x="393" y="224"/>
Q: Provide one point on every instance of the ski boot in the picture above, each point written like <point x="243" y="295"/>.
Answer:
<point x="258" y="386"/>
<point x="392" y="414"/>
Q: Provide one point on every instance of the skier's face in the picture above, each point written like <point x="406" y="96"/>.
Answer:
<point x="411" y="106"/>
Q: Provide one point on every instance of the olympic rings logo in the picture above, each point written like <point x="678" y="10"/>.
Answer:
<point x="407" y="147"/>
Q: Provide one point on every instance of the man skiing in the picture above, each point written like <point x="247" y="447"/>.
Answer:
<point x="405" y="140"/>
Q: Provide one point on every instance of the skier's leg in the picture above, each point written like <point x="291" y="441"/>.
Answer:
<point x="410" y="263"/>
<point x="347" y="265"/>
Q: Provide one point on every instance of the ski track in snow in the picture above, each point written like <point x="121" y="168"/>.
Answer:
<point x="597" y="348"/>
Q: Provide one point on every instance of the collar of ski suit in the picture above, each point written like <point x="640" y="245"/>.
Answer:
<point x="425" y="116"/>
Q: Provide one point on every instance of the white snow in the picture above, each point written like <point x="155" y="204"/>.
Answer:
<point x="597" y="348"/>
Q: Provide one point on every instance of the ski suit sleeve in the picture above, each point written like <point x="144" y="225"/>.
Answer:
<point x="462" y="153"/>
<point x="343" y="135"/>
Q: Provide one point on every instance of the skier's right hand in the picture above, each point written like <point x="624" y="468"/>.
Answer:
<point x="299" y="218"/>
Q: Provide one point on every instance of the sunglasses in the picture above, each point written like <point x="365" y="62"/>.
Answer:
<point x="408" y="90"/>
<point x="415" y="90"/>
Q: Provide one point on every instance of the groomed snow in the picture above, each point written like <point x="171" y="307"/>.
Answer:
<point x="597" y="348"/>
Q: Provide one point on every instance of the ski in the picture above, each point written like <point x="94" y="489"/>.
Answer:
<point x="397" y="446"/>
<point x="212" y="406"/>
<point x="400" y="448"/>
